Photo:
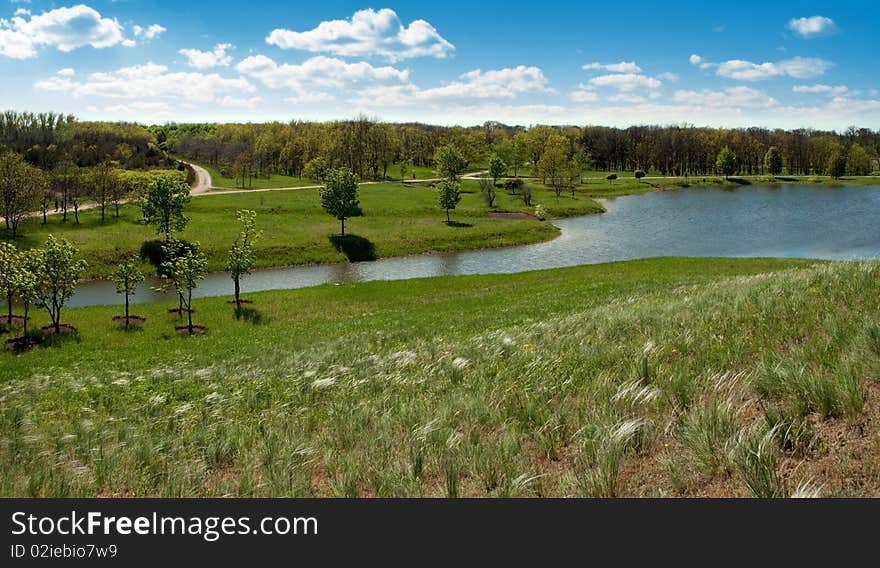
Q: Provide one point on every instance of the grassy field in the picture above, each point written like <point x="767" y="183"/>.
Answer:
<point x="397" y="220"/>
<point x="274" y="181"/>
<point x="663" y="377"/>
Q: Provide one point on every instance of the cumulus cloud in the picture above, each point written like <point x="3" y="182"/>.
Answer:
<point x="584" y="95"/>
<point x="733" y="97"/>
<point x="742" y="70"/>
<point x="622" y="67"/>
<point x="368" y="33"/>
<point x="145" y="82"/>
<point x="821" y="89"/>
<point x="626" y="82"/>
<point x="63" y="28"/>
<point x="475" y="85"/>
<point x="667" y="76"/>
<point x="813" y="26"/>
<point x="209" y="59"/>
<point x="150" y="32"/>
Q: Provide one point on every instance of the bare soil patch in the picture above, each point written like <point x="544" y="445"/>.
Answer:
<point x="62" y="329"/>
<point x="196" y="330"/>
<point x="22" y="344"/>
<point x="133" y="321"/>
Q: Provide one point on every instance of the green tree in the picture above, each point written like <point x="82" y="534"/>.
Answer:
<point x="241" y="256"/>
<point x="163" y="204"/>
<point x="127" y="275"/>
<point x="21" y="187"/>
<point x="639" y="175"/>
<point x="611" y="178"/>
<point x="837" y="165"/>
<point x="450" y="162"/>
<point x="726" y="162"/>
<point x="487" y="189"/>
<point x="497" y="167"/>
<point x="58" y="276"/>
<point x="857" y="162"/>
<point x="555" y="162"/>
<point x="773" y="161"/>
<point x="405" y="167"/>
<point x="26" y="282"/>
<point x="450" y="196"/>
<point x="187" y="265"/>
<point x="339" y="196"/>
<point x="10" y="263"/>
<point x="105" y="184"/>
<point x="317" y="169"/>
<point x="585" y="162"/>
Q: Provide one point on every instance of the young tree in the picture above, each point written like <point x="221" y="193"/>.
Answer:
<point x="773" y="161"/>
<point x="26" y="281"/>
<point x="58" y="276"/>
<point x="611" y="178"/>
<point x="11" y="261"/>
<point x="487" y="189"/>
<point x="339" y="196"/>
<point x="241" y="255"/>
<point x="163" y="204"/>
<point x="317" y="169"/>
<point x="105" y="183"/>
<point x="726" y="162"/>
<point x="837" y="165"/>
<point x="639" y="175"/>
<point x="497" y="168"/>
<point x="186" y="266"/>
<point x="405" y="167"/>
<point x="450" y="162"/>
<point x="21" y="186"/>
<point x="585" y="162"/>
<point x="127" y="276"/>
<point x="450" y="196"/>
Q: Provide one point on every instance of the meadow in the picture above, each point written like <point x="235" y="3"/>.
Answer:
<point x="397" y="220"/>
<point x="660" y="377"/>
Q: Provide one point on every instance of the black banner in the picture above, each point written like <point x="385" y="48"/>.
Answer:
<point x="411" y="532"/>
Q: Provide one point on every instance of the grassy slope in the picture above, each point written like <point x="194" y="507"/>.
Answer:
<point x="397" y="220"/>
<point x="640" y="378"/>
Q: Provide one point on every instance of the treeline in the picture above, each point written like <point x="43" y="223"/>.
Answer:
<point x="47" y="140"/>
<point x="370" y="147"/>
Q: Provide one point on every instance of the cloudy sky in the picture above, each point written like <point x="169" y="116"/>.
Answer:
<point x="780" y="64"/>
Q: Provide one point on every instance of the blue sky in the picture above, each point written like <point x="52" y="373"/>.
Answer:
<point x="779" y="64"/>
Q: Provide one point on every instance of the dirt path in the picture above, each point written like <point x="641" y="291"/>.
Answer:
<point x="203" y="180"/>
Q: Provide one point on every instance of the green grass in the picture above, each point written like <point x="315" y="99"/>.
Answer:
<point x="654" y="377"/>
<point x="273" y="181"/>
<point x="397" y="220"/>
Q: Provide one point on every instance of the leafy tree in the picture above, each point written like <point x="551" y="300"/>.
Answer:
<point x="726" y="162"/>
<point x="59" y="274"/>
<point x="585" y="162"/>
<point x="554" y="163"/>
<point x="526" y="192"/>
<point x="837" y="165"/>
<point x="163" y="204"/>
<point x="611" y="178"/>
<point x="497" y="168"/>
<point x="26" y="281"/>
<point x="187" y="265"/>
<point x="450" y="162"/>
<point x="105" y="183"/>
<point x="241" y="255"/>
<point x="317" y="169"/>
<point x="858" y="163"/>
<point x="21" y="186"/>
<point x="127" y="276"/>
<point x="405" y="167"/>
<point x="514" y="152"/>
<point x="512" y="185"/>
<point x="450" y="196"/>
<point x="639" y="174"/>
<point x="339" y="196"/>
<point x="487" y="189"/>
<point x="11" y="261"/>
<point x="773" y="161"/>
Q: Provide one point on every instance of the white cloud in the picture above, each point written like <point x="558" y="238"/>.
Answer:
<point x="66" y="72"/>
<point x="148" y="33"/>
<point x="671" y="77"/>
<point x="319" y="73"/>
<point x="145" y="82"/>
<point x="63" y="28"/>
<point x="821" y="89"/>
<point x="796" y="67"/>
<point x="475" y="85"/>
<point x="733" y="97"/>
<point x="367" y="33"/>
<point x="626" y="82"/>
<point x="584" y="95"/>
<point x="208" y="59"/>
<point x="622" y="67"/>
<point x="812" y="27"/>
<point x="237" y="102"/>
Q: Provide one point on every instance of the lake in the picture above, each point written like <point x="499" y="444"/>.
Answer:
<point x="793" y="221"/>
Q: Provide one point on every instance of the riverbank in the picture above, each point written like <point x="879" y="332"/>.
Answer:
<point x="646" y="378"/>
<point x="397" y="220"/>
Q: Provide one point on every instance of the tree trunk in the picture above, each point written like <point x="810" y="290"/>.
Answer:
<point x="9" y="308"/>
<point x="343" y="227"/>
<point x="103" y="208"/>
<point x="447" y="217"/>
<point x="237" y="292"/>
<point x="189" y="314"/>
<point x="26" y="310"/>
<point x="126" y="308"/>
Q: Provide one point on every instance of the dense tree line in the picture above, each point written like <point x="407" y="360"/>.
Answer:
<point x="369" y="148"/>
